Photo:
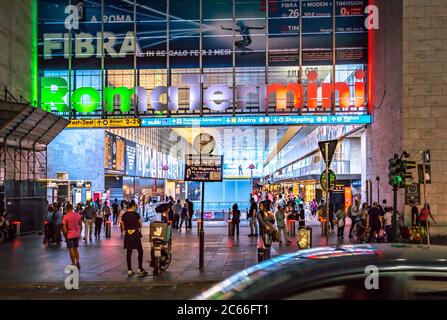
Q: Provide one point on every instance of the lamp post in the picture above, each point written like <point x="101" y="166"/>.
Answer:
<point x="165" y="169"/>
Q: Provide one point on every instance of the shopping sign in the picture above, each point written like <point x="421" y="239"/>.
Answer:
<point x="217" y="97"/>
<point x="204" y="168"/>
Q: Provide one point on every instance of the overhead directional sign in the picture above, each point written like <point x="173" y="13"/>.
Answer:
<point x="331" y="145"/>
<point x="104" y="123"/>
<point x="205" y="168"/>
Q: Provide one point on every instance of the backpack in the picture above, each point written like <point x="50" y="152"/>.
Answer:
<point x="54" y="217"/>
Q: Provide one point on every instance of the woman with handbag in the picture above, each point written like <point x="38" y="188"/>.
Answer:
<point x="236" y="218"/>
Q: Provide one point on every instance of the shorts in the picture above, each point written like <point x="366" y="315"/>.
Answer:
<point x="72" y="243"/>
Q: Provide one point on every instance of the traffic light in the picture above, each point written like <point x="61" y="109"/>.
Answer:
<point x="396" y="175"/>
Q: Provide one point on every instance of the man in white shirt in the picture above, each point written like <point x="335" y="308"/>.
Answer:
<point x="353" y="214"/>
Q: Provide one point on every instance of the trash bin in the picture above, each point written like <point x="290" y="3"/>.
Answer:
<point x="108" y="229"/>
<point x="263" y="254"/>
<point x="291" y="230"/>
<point x="199" y="226"/>
<point x="15" y="228"/>
<point x="230" y="228"/>
<point x="304" y="238"/>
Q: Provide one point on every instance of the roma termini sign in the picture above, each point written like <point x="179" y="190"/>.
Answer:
<point x="216" y="97"/>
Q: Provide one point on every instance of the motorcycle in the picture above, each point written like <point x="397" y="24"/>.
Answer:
<point x="160" y="236"/>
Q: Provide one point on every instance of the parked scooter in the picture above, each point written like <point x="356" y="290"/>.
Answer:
<point x="160" y="236"/>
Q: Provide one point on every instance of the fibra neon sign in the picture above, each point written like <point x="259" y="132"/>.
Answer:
<point x="216" y="97"/>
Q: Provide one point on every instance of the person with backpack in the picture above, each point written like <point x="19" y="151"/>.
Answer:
<point x="89" y="215"/>
<point x="48" y="235"/>
<point x="236" y="218"/>
<point x="313" y="208"/>
<point x="341" y="221"/>
<point x="353" y="214"/>
<point x="98" y="222"/>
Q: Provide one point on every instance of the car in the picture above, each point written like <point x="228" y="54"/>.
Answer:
<point x="352" y="272"/>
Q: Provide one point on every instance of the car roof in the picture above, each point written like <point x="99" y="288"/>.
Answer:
<point x="321" y="262"/>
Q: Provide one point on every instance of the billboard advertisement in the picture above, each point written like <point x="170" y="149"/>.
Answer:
<point x="114" y="149"/>
<point x="151" y="31"/>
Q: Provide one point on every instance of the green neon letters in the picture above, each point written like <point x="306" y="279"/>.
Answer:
<point x="124" y="94"/>
<point x="52" y="97"/>
<point x="53" y="91"/>
<point x="79" y="106"/>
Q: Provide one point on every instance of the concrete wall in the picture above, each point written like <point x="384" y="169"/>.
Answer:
<point x="425" y="94"/>
<point x="384" y="136"/>
<point x="410" y="70"/>
<point x="79" y="152"/>
<point x="16" y="50"/>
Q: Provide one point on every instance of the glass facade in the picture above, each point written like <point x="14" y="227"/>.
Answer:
<point x="202" y="57"/>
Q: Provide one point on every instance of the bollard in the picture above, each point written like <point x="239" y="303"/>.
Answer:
<point x="291" y="228"/>
<point x="199" y="226"/>
<point x="230" y="228"/>
<point x="16" y="228"/>
<point x="108" y="229"/>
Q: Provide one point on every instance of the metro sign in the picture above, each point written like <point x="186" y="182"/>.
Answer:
<point x="217" y="97"/>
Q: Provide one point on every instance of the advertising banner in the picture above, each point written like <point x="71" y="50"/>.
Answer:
<point x="114" y="149"/>
<point x="131" y="150"/>
<point x="61" y="22"/>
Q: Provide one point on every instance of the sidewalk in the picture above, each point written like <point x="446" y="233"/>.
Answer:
<point x="27" y="265"/>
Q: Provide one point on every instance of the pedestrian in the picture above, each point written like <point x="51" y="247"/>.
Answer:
<point x="301" y="215"/>
<point x="48" y="235"/>
<point x="89" y="215"/>
<point x="415" y="216"/>
<point x="252" y="220"/>
<point x="235" y="218"/>
<point x="184" y="217"/>
<point x="72" y="228"/>
<point x="190" y="212"/>
<point x="177" y="208"/>
<point x="106" y="211"/>
<point x="387" y="217"/>
<point x="353" y="213"/>
<point x="362" y="223"/>
<point x="281" y="223"/>
<point x="57" y="225"/>
<point x="123" y="209"/>
<point x="115" y="211"/>
<point x="424" y="217"/>
<point x="266" y="221"/>
<point x="332" y="216"/>
<point x="98" y="222"/>
<point x="341" y="221"/>
<point x="313" y="206"/>
<point x="375" y="224"/>
<point x="323" y="218"/>
<point x="132" y="224"/>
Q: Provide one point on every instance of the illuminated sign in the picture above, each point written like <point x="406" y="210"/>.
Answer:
<point x="217" y="97"/>
<point x="256" y="120"/>
<point x="104" y="123"/>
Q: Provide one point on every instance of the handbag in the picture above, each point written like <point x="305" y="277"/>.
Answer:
<point x="341" y="223"/>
